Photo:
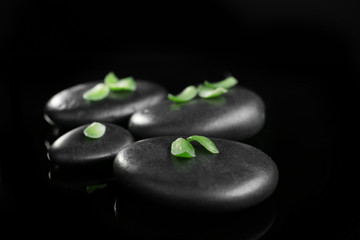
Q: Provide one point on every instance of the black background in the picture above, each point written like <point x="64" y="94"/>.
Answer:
<point x="300" y="57"/>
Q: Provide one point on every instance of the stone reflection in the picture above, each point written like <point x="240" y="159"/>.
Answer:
<point x="51" y="133"/>
<point x="145" y="219"/>
<point x="87" y="179"/>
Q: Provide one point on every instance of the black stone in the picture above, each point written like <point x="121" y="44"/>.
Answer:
<point x="74" y="149"/>
<point x="236" y="115"/>
<point x="67" y="109"/>
<point x="238" y="177"/>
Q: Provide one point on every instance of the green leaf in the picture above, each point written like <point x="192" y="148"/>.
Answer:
<point x="92" y="188"/>
<point x="110" y="78"/>
<point x="226" y="83"/>
<point x="186" y="95"/>
<point x="207" y="92"/>
<point x="207" y="143"/>
<point x="95" y="130"/>
<point x="115" y="84"/>
<point x="98" y="92"/>
<point x="182" y="148"/>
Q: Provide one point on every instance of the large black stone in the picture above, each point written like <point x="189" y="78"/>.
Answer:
<point x="68" y="109"/>
<point x="238" y="177"/>
<point x="237" y="115"/>
<point x="74" y="149"/>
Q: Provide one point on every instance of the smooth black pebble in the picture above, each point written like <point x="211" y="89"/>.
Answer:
<point x="74" y="149"/>
<point x="67" y="109"/>
<point x="238" y="177"/>
<point x="236" y="115"/>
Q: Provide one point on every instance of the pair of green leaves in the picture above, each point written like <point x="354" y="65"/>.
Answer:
<point x="208" y="90"/>
<point x="183" y="148"/>
<point x="111" y="82"/>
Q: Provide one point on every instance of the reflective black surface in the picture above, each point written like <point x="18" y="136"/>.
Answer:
<point x="307" y="133"/>
<point x="299" y="56"/>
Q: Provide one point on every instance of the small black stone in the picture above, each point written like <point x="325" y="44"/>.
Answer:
<point x="238" y="177"/>
<point x="67" y="109"/>
<point x="75" y="149"/>
<point x="236" y="115"/>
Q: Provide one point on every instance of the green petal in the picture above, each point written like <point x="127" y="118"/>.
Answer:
<point x="207" y="143"/>
<point x="226" y="83"/>
<point x="98" y="92"/>
<point x="207" y="92"/>
<point x="186" y="95"/>
<point x="95" y="130"/>
<point x="127" y="84"/>
<point x="110" y="78"/>
<point x="182" y="148"/>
